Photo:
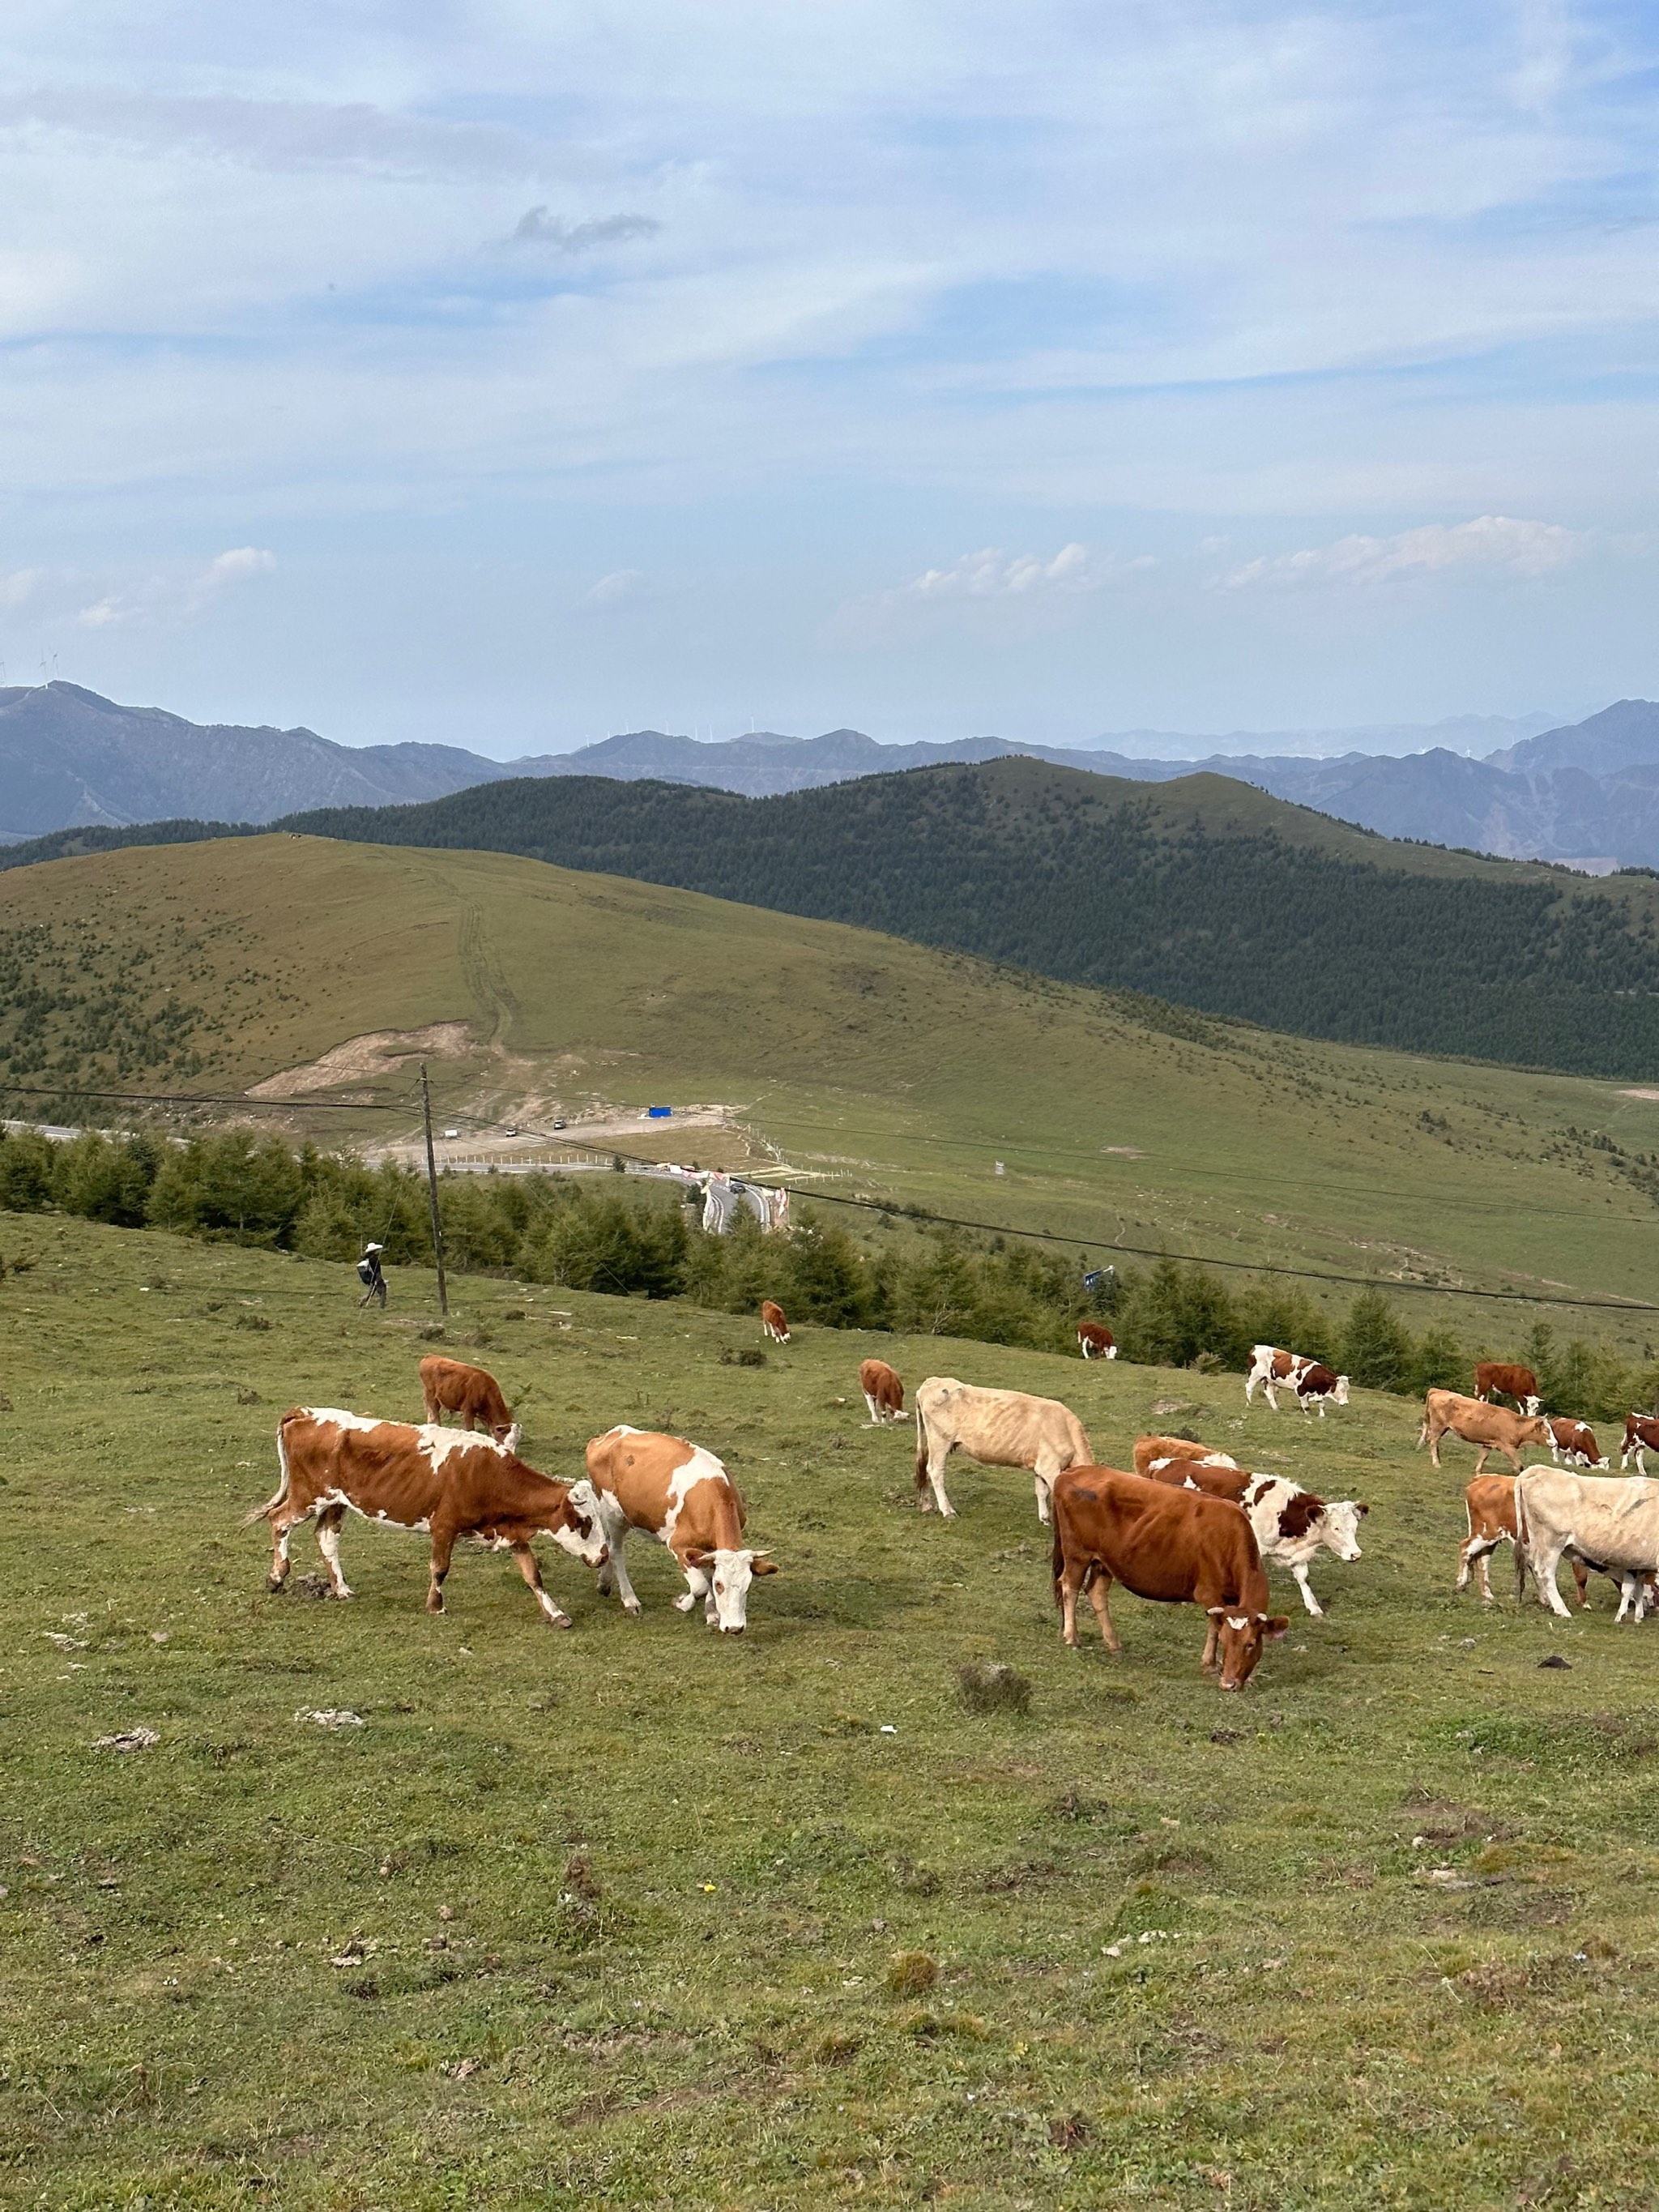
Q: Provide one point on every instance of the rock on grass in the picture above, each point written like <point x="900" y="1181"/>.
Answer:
<point x="986" y="1686"/>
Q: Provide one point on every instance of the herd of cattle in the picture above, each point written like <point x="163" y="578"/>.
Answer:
<point x="1189" y="1526"/>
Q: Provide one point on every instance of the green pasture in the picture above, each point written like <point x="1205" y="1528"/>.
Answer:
<point x="626" y="1915"/>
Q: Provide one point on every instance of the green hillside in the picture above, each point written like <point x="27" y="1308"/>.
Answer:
<point x="873" y="1066"/>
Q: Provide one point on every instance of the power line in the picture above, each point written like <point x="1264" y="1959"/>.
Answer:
<point x="66" y="1093"/>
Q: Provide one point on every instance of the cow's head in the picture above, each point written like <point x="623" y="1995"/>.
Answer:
<point x="1339" y="1395"/>
<point x="729" y="1577"/>
<point x="576" y="1528"/>
<point x="1535" y="1431"/>
<point x="1340" y="1532"/>
<point x="509" y="1435"/>
<point x="1240" y="1637"/>
<point x="1530" y="1405"/>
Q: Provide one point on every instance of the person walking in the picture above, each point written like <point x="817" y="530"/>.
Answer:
<point x="369" y="1275"/>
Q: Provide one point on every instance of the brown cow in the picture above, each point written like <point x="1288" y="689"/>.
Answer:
<point x="1573" y="1444"/>
<point x="680" y="1494"/>
<point x="1492" y="1428"/>
<point x="432" y="1479"/>
<point x="1495" y="1378"/>
<point x="883" y="1392"/>
<point x="773" y="1322"/>
<point x="451" y="1386"/>
<point x="1174" y="1547"/>
<point x="1641" y="1434"/>
<point x="1148" y="1449"/>
<point x="1095" y="1342"/>
<point x="1489" y="1502"/>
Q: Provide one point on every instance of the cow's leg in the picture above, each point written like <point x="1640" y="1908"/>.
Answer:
<point x="1100" y="1585"/>
<point x="1306" y="1589"/>
<point x="1544" y="1562"/>
<point x="1068" y="1588"/>
<point x="1581" y="1577"/>
<point x="530" y="1568"/>
<point x="875" y="1410"/>
<point x="698" y="1585"/>
<point x="329" y="1522"/>
<point x="431" y="1407"/>
<point x="1434" y="1445"/>
<point x="1042" y="1476"/>
<point x="1477" y="1553"/>
<point x="283" y="1522"/>
<point x="615" y="1571"/>
<point x="936" y="1459"/>
<point x="1267" y="1392"/>
<point x="443" y="1546"/>
<point x="1480" y="1459"/>
<point x="1206" y="1664"/>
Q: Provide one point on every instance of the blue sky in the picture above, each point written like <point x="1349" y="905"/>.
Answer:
<point x="508" y="374"/>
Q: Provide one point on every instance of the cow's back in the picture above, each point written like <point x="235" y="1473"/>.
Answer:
<point x="1612" y="1519"/>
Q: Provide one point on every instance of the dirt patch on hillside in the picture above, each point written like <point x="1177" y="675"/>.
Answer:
<point x="362" y="1058"/>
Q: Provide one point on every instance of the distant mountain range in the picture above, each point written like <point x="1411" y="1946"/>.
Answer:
<point x="1587" y="793"/>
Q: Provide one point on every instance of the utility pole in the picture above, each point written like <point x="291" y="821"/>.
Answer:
<point x="432" y="1190"/>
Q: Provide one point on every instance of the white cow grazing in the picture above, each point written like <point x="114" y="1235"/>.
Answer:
<point x="1292" y="1526"/>
<point x="1611" y="1522"/>
<point x="999" y="1428"/>
<point x="1313" y="1383"/>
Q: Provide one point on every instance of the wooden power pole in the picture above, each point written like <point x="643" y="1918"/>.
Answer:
<point x="432" y="1192"/>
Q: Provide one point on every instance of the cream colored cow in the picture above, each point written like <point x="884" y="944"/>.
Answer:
<point x="999" y="1428"/>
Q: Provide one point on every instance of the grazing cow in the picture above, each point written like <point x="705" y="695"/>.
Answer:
<point x="1489" y="1502"/>
<point x="1314" y="1385"/>
<point x="680" y="1494"/>
<point x="1492" y="1428"/>
<point x="1641" y="1434"/>
<point x="429" y="1479"/>
<point x="1289" y="1524"/>
<point x="1611" y="1522"/>
<point x="1496" y="1379"/>
<point x="1148" y="1449"/>
<point x="1096" y="1342"/>
<point x="452" y="1387"/>
<point x="1572" y="1444"/>
<point x="999" y="1428"/>
<point x="883" y="1392"/>
<point x="773" y="1322"/>
<point x="1174" y="1547"/>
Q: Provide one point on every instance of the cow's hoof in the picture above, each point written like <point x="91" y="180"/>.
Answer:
<point x="684" y="1604"/>
<point x="558" y="1620"/>
<point x="435" y="1605"/>
<point x="275" y="1587"/>
<point x="631" y="1606"/>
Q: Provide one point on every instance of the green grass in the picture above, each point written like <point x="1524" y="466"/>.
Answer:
<point x="620" y="1907"/>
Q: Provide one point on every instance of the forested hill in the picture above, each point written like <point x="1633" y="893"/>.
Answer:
<point x="1203" y="891"/>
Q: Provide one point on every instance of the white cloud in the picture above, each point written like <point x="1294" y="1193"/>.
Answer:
<point x="1012" y="591"/>
<point x="1500" y="543"/>
<point x="623" y="587"/>
<point x="166" y="596"/>
<point x="538" y="227"/>
<point x="18" y="586"/>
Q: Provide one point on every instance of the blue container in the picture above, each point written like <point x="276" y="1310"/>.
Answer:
<point x="659" y="1113"/>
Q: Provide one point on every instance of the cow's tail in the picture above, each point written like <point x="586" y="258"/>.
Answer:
<point x="1520" y="1539"/>
<point x="279" y="1497"/>
<point x="1059" y="1563"/>
<point x="922" y="1451"/>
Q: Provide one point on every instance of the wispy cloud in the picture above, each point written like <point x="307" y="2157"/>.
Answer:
<point x="1011" y="591"/>
<point x="1500" y="543"/>
<point x="623" y="587"/>
<point x="537" y="228"/>
<point x="171" y="597"/>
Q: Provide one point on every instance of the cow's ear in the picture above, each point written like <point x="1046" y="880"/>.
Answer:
<point x="700" y="1560"/>
<point x="764" y="1566"/>
<point x="1360" y="1506"/>
<point x="1273" y="1629"/>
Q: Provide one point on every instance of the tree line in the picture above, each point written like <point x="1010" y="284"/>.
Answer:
<point x="622" y="1237"/>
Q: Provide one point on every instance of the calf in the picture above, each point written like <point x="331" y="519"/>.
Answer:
<point x="1314" y="1384"/>
<point x="883" y="1392"/>
<point x="1495" y="1378"/>
<point x="1573" y="1445"/>
<point x="1174" y="1547"/>
<point x="1148" y="1449"/>
<point x="999" y="1428"/>
<point x="432" y="1479"/>
<point x="1096" y="1342"/>
<point x="1489" y="1504"/>
<point x="680" y="1494"/>
<point x="1641" y="1434"/>
<point x="773" y="1322"/>
<point x="1491" y="1428"/>
<point x="1291" y="1525"/>
<point x="1609" y="1521"/>
<point x="450" y="1386"/>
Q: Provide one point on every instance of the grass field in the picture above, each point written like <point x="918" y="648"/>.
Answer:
<point x="878" y="1066"/>
<point x="611" y="1917"/>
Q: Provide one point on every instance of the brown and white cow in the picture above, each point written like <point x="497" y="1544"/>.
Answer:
<point x="1095" y="1342"/>
<point x="450" y="1386"/>
<point x="1496" y="1378"/>
<point x="1313" y="1383"/>
<point x="435" y="1481"/>
<point x="773" y="1322"/>
<point x="883" y="1392"/>
<point x="680" y="1494"/>
<point x="1148" y="1449"/>
<point x="1175" y="1546"/>
<point x="1489" y="1504"/>
<point x="1572" y="1444"/>
<point x="999" y="1428"/>
<point x="1492" y="1428"/>
<point x="1609" y="1521"/>
<point x="1289" y="1524"/>
<point x="1641" y="1434"/>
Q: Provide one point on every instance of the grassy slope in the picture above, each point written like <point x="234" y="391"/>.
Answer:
<point x="895" y="1068"/>
<point x="625" y="1899"/>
